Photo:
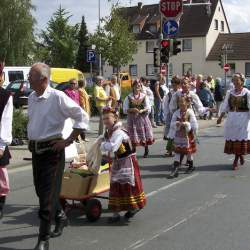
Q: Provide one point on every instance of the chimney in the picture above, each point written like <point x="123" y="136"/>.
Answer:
<point x="139" y="5"/>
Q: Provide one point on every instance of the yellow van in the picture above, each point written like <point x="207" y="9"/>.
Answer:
<point x="126" y="80"/>
<point x="60" y="75"/>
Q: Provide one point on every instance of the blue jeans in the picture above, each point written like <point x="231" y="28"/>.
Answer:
<point x="159" y="118"/>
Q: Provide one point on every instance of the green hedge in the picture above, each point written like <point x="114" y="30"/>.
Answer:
<point x="19" y="124"/>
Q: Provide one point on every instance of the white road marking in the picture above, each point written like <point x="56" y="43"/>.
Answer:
<point x="196" y="211"/>
<point x="171" y="185"/>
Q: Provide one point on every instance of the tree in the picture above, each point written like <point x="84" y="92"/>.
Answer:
<point x="114" y="40"/>
<point x="59" y="41"/>
<point x="83" y="39"/>
<point x="16" y="29"/>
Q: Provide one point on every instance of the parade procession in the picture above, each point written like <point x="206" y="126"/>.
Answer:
<point x="126" y="130"/>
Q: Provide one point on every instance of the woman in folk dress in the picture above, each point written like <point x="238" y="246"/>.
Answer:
<point x="126" y="190"/>
<point x="137" y="106"/>
<point x="237" y="126"/>
<point x="183" y="128"/>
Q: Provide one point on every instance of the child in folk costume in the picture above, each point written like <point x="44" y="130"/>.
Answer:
<point x="137" y="106"/>
<point x="168" y="115"/>
<point x="183" y="127"/>
<point x="6" y="112"/>
<point x="126" y="191"/>
<point x="237" y="126"/>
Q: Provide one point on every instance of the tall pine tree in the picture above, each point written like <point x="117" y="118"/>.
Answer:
<point x="83" y="39"/>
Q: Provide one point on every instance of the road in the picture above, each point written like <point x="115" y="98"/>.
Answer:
<point x="207" y="210"/>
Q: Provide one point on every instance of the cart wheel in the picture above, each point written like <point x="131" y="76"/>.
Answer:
<point x="93" y="210"/>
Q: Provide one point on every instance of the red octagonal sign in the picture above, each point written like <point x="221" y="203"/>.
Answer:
<point x="171" y="8"/>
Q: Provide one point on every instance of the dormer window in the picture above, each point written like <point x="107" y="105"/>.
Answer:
<point x="153" y="28"/>
<point x="136" y="28"/>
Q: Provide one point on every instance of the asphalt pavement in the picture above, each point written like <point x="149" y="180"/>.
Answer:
<point x="207" y="210"/>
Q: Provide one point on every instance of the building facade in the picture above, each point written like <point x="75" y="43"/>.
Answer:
<point x="200" y="28"/>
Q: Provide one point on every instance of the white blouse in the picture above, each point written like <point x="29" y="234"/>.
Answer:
<point x="173" y="106"/>
<point x="126" y="102"/>
<point x="237" y="125"/>
<point x="113" y="144"/>
<point x="6" y="124"/>
<point x="192" y="124"/>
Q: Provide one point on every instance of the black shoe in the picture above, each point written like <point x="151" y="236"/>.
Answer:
<point x="175" y="171"/>
<point x="190" y="168"/>
<point x="59" y="228"/>
<point x="131" y="214"/>
<point x="42" y="245"/>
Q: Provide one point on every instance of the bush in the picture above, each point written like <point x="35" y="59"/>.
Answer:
<point x="19" y="125"/>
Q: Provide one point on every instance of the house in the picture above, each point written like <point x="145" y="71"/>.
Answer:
<point x="200" y="27"/>
<point x="238" y="58"/>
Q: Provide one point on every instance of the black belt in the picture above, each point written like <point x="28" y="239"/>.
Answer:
<point x="40" y="147"/>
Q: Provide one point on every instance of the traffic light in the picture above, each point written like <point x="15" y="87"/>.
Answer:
<point x="221" y="61"/>
<point x="157" y="57"/>
<point x="174" y="47"/>
<point x="165" y="50"/>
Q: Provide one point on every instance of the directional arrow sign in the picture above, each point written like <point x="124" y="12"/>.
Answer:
<point x="170" y="27"/>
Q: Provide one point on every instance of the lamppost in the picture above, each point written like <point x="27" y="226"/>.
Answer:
<point x="99" y="27"/>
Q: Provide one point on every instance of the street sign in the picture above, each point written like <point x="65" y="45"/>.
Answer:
<point x="226" y="67"/>
<point x="170" y="27"/>
<point x="91" y="56"/>
<point x="171" y="8"/>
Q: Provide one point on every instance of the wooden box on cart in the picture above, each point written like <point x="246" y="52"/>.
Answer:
<point x="76" y="187"/>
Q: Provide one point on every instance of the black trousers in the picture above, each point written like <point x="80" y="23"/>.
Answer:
<point x="48" y="169"/>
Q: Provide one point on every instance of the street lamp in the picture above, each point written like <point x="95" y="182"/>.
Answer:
<point x="99" y="26"/>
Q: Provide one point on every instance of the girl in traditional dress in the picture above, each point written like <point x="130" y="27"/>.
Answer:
<point x="183" y="126"/>
<point x="126" y="191"/>
<point x="237" y="126"/>
<point x="168" y="115"/>
<point x="137" y="106"/>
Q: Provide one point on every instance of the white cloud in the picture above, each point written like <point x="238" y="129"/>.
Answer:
<point x="237" y="11"/>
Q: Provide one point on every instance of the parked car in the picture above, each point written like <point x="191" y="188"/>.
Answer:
<point x="21" y="90"/>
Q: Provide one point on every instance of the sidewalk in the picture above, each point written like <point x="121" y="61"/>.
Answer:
<point x="22" y="157"/>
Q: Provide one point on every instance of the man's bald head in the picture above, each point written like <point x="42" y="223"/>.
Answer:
<point x="39" y="77"/>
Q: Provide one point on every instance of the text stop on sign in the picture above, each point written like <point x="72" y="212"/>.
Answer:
<point x="171" y="8"/>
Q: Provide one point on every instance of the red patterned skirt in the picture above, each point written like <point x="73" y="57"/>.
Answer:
<point x="140" y="130"/>
<point x="237" y="147"/>
<point x="124" y="197"/>
<point x="185" y="145"/>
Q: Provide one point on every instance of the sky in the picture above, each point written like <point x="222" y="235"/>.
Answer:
<point x="237" y="11"/>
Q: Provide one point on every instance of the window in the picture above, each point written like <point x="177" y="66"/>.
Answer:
<point x="187" y="45"/>
<point x="133" y="69"/>
<point x="150" y="70"/>
<point x="222" y="26"/>
<point x="136" y="28"/>
<point x="150" y="46"/>
<point x="153" y="28"/>
<point x="216" y="24"/>
<point x="15" y="75"/>
<point x="247" y="69"/>
<point x="186" y="67"/>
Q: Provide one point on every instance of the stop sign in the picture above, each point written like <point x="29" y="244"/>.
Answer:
<point x="226" y="67"/>
<point x="171" y="8"/>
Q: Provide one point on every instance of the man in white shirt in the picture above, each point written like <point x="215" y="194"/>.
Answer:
<point x="47" y="110"/>
<point x="6" y="113"/>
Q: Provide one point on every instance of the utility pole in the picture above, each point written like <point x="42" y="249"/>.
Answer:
<point x="99" y="27"/>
